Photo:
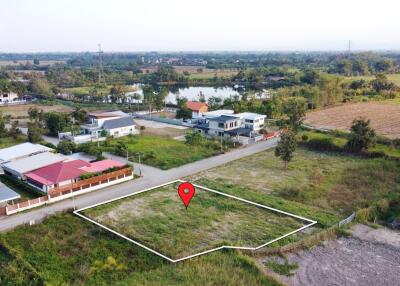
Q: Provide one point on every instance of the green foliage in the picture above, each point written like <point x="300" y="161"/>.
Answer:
<point x="295" y="110"/>
<point x="182" y="111"/>
<point x="194" y="138"/>
<point x="34" y="132"/>
<point x="362" y="136"/>
<point x="286" y="146"/>
<point x="66" y="147"/>
<point x="56" y="122"/>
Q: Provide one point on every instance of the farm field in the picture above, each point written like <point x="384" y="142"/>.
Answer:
<point x="67" y="250"/>
<point x="85" y="90"/>
<point x="205" y="73"/>
<point x="160" y="151"/>
<point x="23" y="62"/>
<point x="158" y="219"/>
<point x="385" y="118"/>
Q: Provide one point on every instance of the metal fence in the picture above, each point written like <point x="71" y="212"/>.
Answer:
<point x="347" y="220"/>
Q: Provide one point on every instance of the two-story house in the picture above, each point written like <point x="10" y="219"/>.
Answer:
<point x="253" y="121"/>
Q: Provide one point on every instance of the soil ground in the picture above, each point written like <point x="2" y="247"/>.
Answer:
<point x="21" y="111"/>
<point x="385" y="118"/>
<point x="161" y="129"/>
<point x="369" y="257"/>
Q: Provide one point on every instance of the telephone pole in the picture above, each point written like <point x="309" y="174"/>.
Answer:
<point x="101" y="76"/>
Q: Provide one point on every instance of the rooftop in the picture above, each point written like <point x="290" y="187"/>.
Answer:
<point x="195" y="105"/>
<point x="6" y="194"/>
<point x="249" y="115"/>
<point x="58" y="172"/>
<point x="223" y="118"/>
<point x="217" y="113"/>
<point x="105" y="114"/>
<point x="118" y="123"/>
<point x="21" y="150"/>
<point x="103" y="165"/>
<point x="34" y="162"/>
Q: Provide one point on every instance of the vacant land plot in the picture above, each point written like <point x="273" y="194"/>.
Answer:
<point x="158" y="219"/>
<point x="161" y="151"/>
<point x="328" y="181"/>
<point x="66" y="250"/>
<point x="385" y="118"/>
<point x="160" y="129"/>
<point x="395" y="78"/>
<point x="21" y="111"/>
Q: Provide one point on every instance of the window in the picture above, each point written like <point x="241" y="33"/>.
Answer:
<point x="221" y="125"/>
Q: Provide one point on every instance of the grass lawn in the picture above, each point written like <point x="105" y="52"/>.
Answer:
<point x="160" y="151"/>
<point x="317" y="185"/>
<point x="66" y="250"/>
<point x="341" y="142"/>
<point x="158" y="219"/>
<point x="85" y="90"/>
<point x="9" y="141"/>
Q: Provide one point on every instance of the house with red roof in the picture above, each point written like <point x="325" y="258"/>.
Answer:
<point x="65" y="173"/>
<point x="197" y="108"/>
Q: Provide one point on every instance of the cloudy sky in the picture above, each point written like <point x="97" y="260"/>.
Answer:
<point x="187" y="25"/>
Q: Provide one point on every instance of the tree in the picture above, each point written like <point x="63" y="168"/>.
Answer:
<point x="183" y="111"/>
<point x="362" y="136"/>
<point x="295" y="109"/>
<point x="381" y="83"/>
<point x="159" y="98"/>
<point x="3" y="130"/>
<point x="34" y="114"/>
<point x="66" y="147"/>
<point x="194" y="138"/>
<point x="148" y="96"/>
<point x="79" y="114"/>
<point x="286" y="146"/>
<point x="117" y="93"/>
<point x="41" y="88"/>
<point x="14" y="131"/>
<point x="56" y="122"/>
<point x="34" y="132"/>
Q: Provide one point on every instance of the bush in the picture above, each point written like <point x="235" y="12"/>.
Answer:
<point x="304" y="137"/>
<point x="66" y="147"/>
<point x="323" y="144"/>
<point x="142" y="127"/>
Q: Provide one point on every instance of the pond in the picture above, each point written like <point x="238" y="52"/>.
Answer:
<point x="193" y="93"/>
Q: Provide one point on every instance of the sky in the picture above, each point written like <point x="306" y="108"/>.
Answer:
<point x="206" y="25"/>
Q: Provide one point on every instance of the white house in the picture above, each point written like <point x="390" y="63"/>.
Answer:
<point x="101" y="124"/>
<point x="253" y="121"/>
<point x="6" y="97"/>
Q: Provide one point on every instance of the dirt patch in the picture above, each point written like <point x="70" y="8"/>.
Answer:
<point x="385" y="118"/>
<point x="373" y="259"/>
<point x="21" y="111"/>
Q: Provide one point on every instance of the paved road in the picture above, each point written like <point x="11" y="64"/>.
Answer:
<point x="49" y="139"/>
<point x="151" y="178"/>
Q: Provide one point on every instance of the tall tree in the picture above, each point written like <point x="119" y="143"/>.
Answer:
<point x="286" y="146"/>
<point x="295" y="109"/>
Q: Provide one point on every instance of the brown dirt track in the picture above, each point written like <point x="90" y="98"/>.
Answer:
<point x="385" y="118"/>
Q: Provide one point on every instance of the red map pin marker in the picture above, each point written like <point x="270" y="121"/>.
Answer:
<point x="186" y="192"/>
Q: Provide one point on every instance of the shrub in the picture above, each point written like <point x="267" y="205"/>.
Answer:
<point x="323" y="144"/>
<point x="304" y="137"/>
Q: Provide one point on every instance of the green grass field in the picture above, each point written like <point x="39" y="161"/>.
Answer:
<point x="85" y="90"/>
<point x="161" y="151"/>
<point x="395" y="78"/>
<point x="66" y="250"/>
<point x="318" y="185"/>
<point x="159" y="220"/>
<point x="9" y="141"/>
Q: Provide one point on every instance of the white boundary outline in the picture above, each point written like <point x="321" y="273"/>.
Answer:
<point x="311" y="222"/>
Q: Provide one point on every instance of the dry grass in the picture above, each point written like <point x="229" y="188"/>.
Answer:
<point x="385" y="118"/>
<point x="21" y="111"/>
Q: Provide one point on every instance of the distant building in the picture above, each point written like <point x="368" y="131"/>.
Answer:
<point x="197" y="108"/>
<point x="6" y="97"/>
<point x="252" y="121"/>
<point x="108" y="123"/>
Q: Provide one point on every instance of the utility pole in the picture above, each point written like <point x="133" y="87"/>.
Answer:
<point x="101" y="78"/>
<point x="140" y="170"/>
<point x="349" y="47"/>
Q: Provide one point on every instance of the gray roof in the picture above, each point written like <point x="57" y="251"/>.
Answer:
<point x="6" y="194"/>
<point x="21" y="150"/>
<point x="223" y="118"/>
<point x="34" y="162"/>
<point x="118" y="123"/>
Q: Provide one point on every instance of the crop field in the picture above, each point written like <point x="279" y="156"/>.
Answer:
<point x="395" y="78"/>
<point x="385" y="118"/>
<point x="158" y="219"/>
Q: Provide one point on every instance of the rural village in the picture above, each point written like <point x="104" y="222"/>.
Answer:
<point x="198" y="168"/>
